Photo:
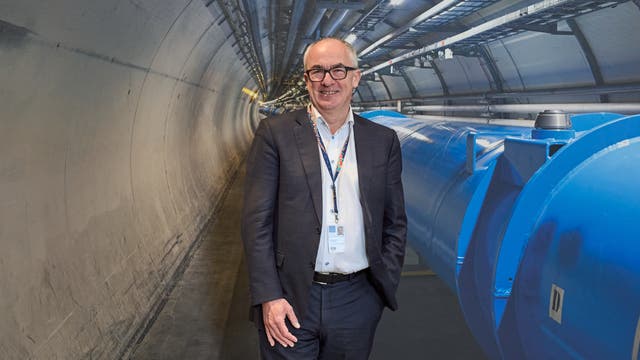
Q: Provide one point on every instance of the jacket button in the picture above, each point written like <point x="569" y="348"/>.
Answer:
<point x="312" y="265"/>
<point x="318" y="231"/>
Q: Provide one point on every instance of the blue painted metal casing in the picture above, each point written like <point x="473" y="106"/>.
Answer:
<point x="528" y="230"/>
<point x="576" y="293"/>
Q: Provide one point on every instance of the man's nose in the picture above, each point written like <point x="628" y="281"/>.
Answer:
<point x="327" y="79"/>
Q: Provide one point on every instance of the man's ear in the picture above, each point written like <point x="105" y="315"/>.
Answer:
<point x="356" y="78"/>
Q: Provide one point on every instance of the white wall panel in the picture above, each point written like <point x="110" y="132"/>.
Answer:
<point x="397" y="86"/>
<point x="425" y="81"/>
<point x="378" y="90"/>
<point x="612" y="35"/>
<point x="463" y="75"/>
<point x="542" y="61"/>
<point x="364" y="90"/>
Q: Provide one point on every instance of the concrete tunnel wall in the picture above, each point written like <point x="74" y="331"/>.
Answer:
<point x="121" y="123"/>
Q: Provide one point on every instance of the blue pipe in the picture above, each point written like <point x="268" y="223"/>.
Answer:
<point x="535" y="230"/>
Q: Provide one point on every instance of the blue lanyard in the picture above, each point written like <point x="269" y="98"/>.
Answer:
<point x="325" y="156"/>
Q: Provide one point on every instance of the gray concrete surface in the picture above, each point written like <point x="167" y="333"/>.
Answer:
<point x="120" y="124"/>
<point x="206" y="316"/>
<point x="193" y="321"/>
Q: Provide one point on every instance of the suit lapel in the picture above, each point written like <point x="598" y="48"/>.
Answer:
<point x="364" y="153"/>
<point x="308" y="149"/>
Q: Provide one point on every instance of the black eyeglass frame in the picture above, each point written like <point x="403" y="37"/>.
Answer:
<point x="325" y="71"/>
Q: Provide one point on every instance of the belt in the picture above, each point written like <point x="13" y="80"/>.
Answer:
<point x="332" y="278"/>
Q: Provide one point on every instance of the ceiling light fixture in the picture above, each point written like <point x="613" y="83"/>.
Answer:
<point x="351" y="38"/>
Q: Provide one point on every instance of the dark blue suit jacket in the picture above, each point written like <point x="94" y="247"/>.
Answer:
<point x="282" y="212"/>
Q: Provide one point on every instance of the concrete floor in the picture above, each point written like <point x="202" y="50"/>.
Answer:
<point x="206" y="314"/>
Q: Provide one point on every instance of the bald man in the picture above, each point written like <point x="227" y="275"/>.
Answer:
<point x="324" y="225"/>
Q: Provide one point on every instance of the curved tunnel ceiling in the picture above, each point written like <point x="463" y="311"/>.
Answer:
<point x="123" y="121"/>
<point x="457" y="51"/>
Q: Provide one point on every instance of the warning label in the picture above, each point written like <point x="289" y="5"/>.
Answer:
<point x="555" y="303"/>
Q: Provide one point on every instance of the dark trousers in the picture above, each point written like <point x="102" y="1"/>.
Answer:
<point x="340" y="324"/>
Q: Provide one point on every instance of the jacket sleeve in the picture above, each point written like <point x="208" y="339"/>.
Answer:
<point x="260" y="198"/>
<point x="394" y="227"/>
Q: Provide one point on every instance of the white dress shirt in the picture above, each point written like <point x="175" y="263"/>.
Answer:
<point x="354" y="257"/>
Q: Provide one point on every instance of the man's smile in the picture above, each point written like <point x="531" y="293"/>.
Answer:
<point x="328" y="92"/>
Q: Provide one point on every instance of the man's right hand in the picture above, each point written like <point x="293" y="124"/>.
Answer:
<point x="274" y="313"/>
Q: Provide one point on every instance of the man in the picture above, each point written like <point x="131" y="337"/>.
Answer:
<point x="324" y="225"/>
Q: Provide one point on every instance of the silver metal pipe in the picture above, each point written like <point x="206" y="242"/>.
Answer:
<point x="368" y="108"/>
<point x="568" y="91"/>
<point x="335" y="22"/>
<point x="504" y="122"/>
<point x="451" y="108"/>
<point x="479" y="120"/>
<point x="315" y="21"/>
<point x="486" y="26"/>
<point x="436" y="9"/>
<point x="296" y="18"/>
<point x="623" y="108"/>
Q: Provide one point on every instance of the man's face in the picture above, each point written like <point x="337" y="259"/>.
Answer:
<point x="331" y="95"/>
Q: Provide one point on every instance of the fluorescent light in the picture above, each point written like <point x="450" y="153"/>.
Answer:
<point x="395" y="2"/>
<point x="351" y="38"/>
<point x="448" y="53"/>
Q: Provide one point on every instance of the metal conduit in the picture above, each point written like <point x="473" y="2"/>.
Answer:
<point x="337" y="20"/>
<point x="315" y="21"/>
<point x="436" y="9"/>
<point x="568" y="91"/>
<point x="479" y="120"/>
<point x="486" y="27"/>
<point x="367" y="108"/>
<point x="296" y="18"/>
<point x="623" y="108"/>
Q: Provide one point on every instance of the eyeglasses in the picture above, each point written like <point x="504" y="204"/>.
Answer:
<point x="337" y="73"/>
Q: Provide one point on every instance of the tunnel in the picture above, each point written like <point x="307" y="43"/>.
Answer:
<point x="124" y="125"/>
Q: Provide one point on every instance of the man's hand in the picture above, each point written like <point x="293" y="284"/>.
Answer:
<point x="274" y="313"/>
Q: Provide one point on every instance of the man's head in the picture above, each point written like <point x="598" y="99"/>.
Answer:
<point x="326" y="62"/>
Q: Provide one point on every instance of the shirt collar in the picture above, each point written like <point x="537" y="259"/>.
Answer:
<point x="316" y="116"/>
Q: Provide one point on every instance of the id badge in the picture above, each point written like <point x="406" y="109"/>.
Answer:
<point x="336" y="239"/>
